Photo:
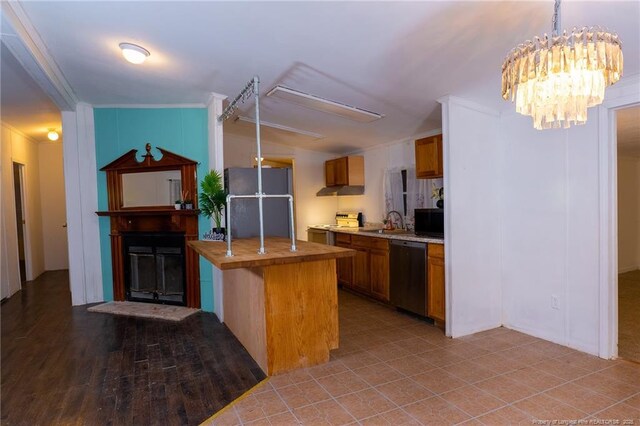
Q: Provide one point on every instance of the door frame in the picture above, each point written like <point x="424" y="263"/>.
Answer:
<point x="26" y="234"/>
<point x="608" y="209"/>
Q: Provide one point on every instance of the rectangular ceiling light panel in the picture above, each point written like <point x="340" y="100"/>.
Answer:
<point x="281" y="127"/>
<point x="324" y="105"/>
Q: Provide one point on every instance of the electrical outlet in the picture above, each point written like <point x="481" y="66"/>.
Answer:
<point x="554" y="302"/>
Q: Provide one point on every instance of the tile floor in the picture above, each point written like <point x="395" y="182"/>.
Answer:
<point x="392" y="369"/>
<point x="629" y="315"/>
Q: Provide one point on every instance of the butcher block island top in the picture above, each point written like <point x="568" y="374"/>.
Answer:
<point x="278" y="252"/>
<point x="281" y="305"/>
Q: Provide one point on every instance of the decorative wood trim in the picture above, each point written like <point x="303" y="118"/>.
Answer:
<point x="128" y="163"/>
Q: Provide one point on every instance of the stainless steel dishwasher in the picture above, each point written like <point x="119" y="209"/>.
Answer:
<point x="408" y="276"/>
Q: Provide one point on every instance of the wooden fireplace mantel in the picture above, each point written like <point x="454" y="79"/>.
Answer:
<point x="161" y="219"/>
<point x="146" y="212"/>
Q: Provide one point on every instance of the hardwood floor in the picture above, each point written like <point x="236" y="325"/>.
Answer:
<point x="629" y="315"/>
<point x="64" y="365"/>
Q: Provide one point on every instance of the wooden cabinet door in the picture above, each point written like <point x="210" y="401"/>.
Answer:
<point x="330" y="172"/>
<point x="429" y="157"/>
<point x="341" y="171"/>
<point x="361" y="278"/>
<point x="435" y="288"/>
<point x="379" y="271"/>
<point x="344" y="267"/>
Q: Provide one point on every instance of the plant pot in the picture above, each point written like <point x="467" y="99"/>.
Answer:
<point x="178" y="206"/>
<point x="440" y="204"/>
<point x="188" y="206"/>
<point x="215" y="234"/>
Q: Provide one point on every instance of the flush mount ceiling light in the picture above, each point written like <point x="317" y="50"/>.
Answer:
<point x="53" y="135"/>
<point x="555" y="79"/>
<point x="134" y="53"/>
<point x="324" y="105"/>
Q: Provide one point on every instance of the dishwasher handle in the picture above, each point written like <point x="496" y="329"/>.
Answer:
<point x="409" y="244"/>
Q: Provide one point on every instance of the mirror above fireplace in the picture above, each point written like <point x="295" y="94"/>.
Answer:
<point x="151" y="188"/>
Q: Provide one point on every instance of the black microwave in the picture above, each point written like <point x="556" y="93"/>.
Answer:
<point x="429" y="222"/>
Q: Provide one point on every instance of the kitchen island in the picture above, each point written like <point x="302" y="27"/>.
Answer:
<point x="281" y="305"/>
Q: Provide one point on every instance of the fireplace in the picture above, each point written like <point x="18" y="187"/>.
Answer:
<point x="150" y="259"/>
<point x="154" y="267"/>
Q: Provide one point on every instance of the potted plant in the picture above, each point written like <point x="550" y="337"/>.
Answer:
<point x="437" y="193"/>
<point x="178" y="204"/>
<point x="184" y="200"/>
<point x="213" y="200"/>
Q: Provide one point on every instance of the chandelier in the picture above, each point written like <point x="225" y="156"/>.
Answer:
<point x="555" y="79"/>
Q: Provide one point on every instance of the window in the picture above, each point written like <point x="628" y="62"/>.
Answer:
<point x="404" y="192"/>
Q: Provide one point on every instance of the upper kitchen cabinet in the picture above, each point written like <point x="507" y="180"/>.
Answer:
<point x="344" y="171"/>
<point x="429" y="157"/>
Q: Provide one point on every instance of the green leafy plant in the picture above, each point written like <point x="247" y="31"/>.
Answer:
<point x="213" y="199"/>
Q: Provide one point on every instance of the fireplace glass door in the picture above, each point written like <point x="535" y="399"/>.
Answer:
<point x="155" y="271"/>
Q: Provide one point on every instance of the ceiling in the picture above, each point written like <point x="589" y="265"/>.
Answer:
<point x="628" y="123"/>
<point x="393" y="58"/>
<point x="23" y="104"/>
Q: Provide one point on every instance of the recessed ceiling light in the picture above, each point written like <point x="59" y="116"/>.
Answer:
<point x="324" y="105"/>
<point x="53" y="135"/>
<point x="134" y="53"/>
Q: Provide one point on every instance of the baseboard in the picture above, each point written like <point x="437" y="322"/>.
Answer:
<point x="472" y="330"/>
<point x="554" y="339"/>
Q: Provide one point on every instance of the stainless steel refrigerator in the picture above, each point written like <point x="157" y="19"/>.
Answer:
<point x="244" y="212"/>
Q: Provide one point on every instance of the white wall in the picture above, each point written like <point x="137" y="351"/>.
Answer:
<point x="308" y="177"/>
<point x="376" y="160"/>
<point x="54" y="214"/>
<point x="9" y="267"/>
<point x="81" y="190"/>
<point x="472" y="155"/>
<point x="628" y="214"/>
<point x="17" y="148"/>
<point x="550" y="231"/>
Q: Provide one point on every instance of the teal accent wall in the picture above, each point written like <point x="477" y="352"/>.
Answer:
<point x="179" y="130"/>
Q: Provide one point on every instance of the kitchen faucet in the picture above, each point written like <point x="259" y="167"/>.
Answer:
<point x="399" y="215"/>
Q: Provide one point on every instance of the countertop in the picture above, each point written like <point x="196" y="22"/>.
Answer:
<point x="371" y="232"/>
<point x="245" y="252"/>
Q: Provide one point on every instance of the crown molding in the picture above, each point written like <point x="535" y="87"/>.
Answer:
<point x="454" y="100"/>
<point x="215" y="96"/>
<point x="29" y="138"/>
<point x="24" y="42"/>
<point x="149" y="106"/>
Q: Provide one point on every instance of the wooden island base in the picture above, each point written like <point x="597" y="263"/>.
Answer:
<point x="286" y="316"/>
<point x="283" y="306"/>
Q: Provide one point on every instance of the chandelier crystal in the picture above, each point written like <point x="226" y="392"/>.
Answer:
<point x="555" y="79"/>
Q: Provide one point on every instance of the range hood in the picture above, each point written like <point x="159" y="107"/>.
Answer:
<point x="341" y="190"/>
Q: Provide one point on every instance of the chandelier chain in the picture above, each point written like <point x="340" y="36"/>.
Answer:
<point x="556" y="18"/>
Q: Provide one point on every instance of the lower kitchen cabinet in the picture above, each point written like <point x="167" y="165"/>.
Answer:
<point x="344" y="265"/>
<point x="368" y="271"/>
<point x="361" y="275"/>
<point x="435" y="282"/>
<point x="379" y="268"/>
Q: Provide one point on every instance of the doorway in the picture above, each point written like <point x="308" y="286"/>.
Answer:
<point x="18" y="187"/>
<point x="628" y="268"/>
<point x="282" y="163"/>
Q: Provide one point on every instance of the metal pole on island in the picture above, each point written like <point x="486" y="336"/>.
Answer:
<point x="253" y="87"/>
